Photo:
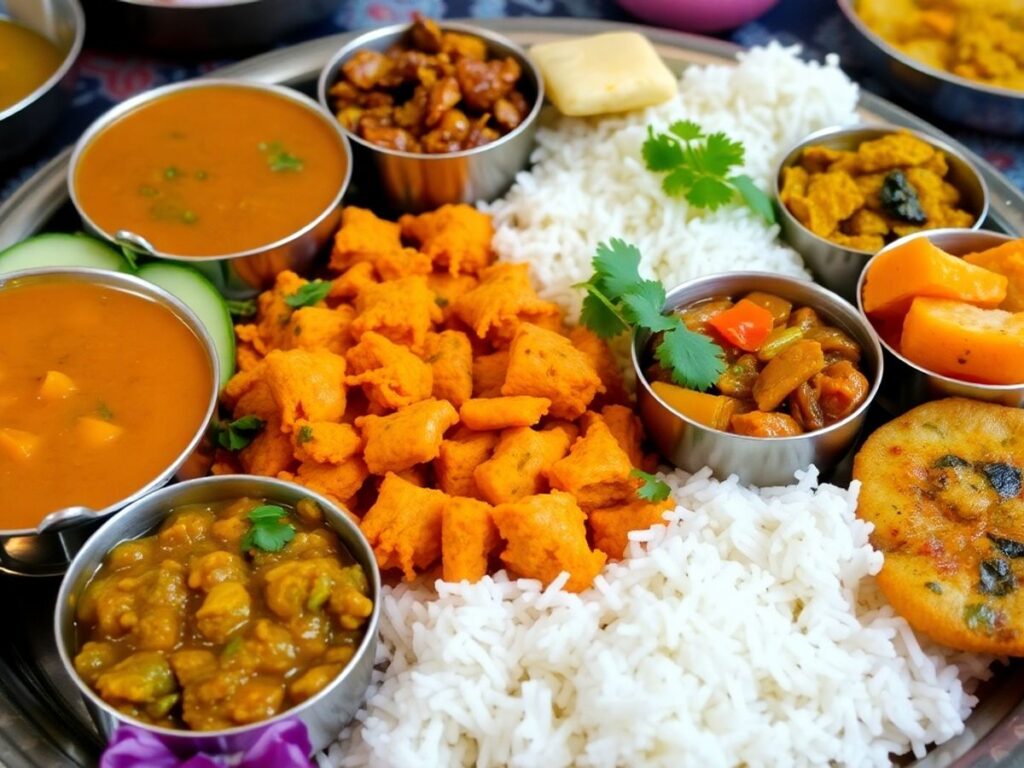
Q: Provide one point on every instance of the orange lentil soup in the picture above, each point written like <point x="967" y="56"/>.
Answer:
<point x="211" y="171"/>
<point x="27" y="59"/>
<point x="100" y="390"/>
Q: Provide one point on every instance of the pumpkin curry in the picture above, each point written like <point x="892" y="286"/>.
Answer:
<point x="100" y="391"/>
<point x="231" y="613"/>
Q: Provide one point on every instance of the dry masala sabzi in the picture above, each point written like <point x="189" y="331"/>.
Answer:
<point x="435" y="396"/>
<point x="232" y="612"/>
<point x="436" y="92"/>
<point x="864" y="198"/>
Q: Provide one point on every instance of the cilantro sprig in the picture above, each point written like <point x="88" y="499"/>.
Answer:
<point x="270" y="529"/>
<point x="618" y="298"/>
<point x="698" y="165"/>
<point x="652" y="489"/>
<point x="236" y="435"/>
<point x="309" y="294"/>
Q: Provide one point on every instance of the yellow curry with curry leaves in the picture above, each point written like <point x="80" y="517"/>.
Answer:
<point x="229" y="614"/>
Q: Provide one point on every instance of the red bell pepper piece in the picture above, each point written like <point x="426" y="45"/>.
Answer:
<point x="745" y="325"/>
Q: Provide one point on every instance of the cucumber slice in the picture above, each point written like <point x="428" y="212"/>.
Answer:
<point x="57" y="249"/>
<point x="198" y="293"/>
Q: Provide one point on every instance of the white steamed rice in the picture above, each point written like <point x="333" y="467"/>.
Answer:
<point x="589" y="184"/>
<point x="748" y="629"/>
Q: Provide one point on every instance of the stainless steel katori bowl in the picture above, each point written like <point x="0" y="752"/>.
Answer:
<point x="323" y="714"/>
<point x="948" y="96"/>
<point x="838" y="267"/>
<point x="409" y="181"/>
<point x="47" y="548"/>
<point x="760" y="461"/>
<point x="63" y="23"/>
<point x="245" y="273"/>
<point x="908" y="384"/>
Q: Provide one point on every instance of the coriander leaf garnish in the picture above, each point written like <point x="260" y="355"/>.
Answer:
<point x="280" y="159"/>
<point x="270" y="529"/>
<point x="692" y="359"/>
<point x="236" y="435"/>
<point x="305" y="434"/>
<point x="309" y="294"/>
<point x="104" y="412"/>
<point x="652" y="488"/>
<point x="698" y="165"/>
<point x="617" y="298"/>
<point x="241" y="308"/>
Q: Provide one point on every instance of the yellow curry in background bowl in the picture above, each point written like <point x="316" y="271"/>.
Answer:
<point x="980" y="40"/>
<point x="106" y="386"/>
<point x="210" y="169"/>
<point x="27" y="60"/>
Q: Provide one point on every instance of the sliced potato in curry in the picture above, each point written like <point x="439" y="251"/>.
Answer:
<point x="942" y="486"/>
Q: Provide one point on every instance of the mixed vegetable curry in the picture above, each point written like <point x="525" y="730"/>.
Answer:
<point x="231" y="613"/>
<point x="787" y="370"/>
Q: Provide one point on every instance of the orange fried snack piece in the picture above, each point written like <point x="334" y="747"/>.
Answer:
<point x="338" y="482"/>
<point x="404" y="525"/>
<point x="269" y="452"/>
<point x="459" y="457"/>
<point x="306" y="384"/>
<point x="454" y="236"/>
<point x="447" y="288"/>
<point x="319" y="328"/>
<point x="485" y="413"/>
<point x="603" y="361"/>
<point x="353" y="281"/>
<point x="325" y="441"/>
<point x="410" y="436"/>
<point x="546" y="535"/>
<point x="272" y="314"/>
<point x="611" y="526"/>
<point x="489" y="373"/>
<point x="543" y="363"/>
<point x="627" y="428"/>
<point x="468" y="537"/>
<point x="450" y="357"/>
<point x="596" y="471"/>
<point x="503" y="299"/>
<point x="519" y="462"/>
<point x="403" y="310"/>
<point x="248" y="394"/>
<point x="391" y="376"/>
<point x="363" y="237"/>
<point x="403" y="263"/>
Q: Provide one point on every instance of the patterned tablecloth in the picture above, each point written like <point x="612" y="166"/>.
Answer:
<point x="106" y="78"/>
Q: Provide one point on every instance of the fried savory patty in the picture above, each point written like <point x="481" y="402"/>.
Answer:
<point x="942" y="486"/>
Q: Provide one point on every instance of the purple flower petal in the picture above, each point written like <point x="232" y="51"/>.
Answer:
<point x="133" y="747"/>
<point x="284" y="744"/>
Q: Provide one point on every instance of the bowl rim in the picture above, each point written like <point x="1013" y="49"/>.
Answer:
<point x="888" y="348"/>
<point x="788" y="159"/>
<point x="835" y="304"/>
<point x="847" y="9"/>
<point x="69" y="61"/>
<point x="189" y="5"/>
<point x="330" y="73"/>
<point x="139" y="244"/>
<point x="68" y="516"/>
<point x="73" y="582"/>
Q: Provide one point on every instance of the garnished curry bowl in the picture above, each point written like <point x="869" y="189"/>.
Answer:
<point x="265" y="660"/>
<point x="109" y="385"/>
<point x="40" y="63"/>
<point x="837" y="265"/>
<point x="988" y="108"/>
<point x="415" y="181"/>
<point x="691" y="444"/>
<point x="911" y="383"/>
<point x="239" y="179"/>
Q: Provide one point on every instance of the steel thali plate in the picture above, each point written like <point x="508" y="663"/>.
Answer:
<point x="42" y="721"/>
